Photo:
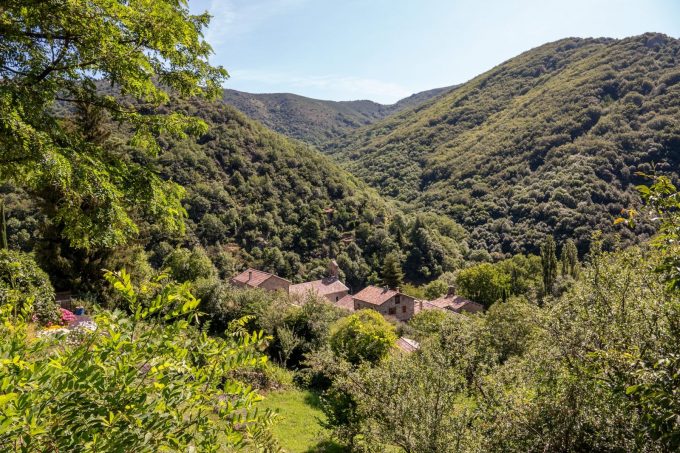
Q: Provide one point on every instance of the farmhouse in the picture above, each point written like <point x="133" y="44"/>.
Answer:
<point x="451" y="302"/>
<point x="329" y="287"/>
<point x="388" y="302"/>
<point x="254" y="278"/>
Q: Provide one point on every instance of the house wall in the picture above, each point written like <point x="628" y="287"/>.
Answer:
<point x="273" y="283"/>
<point x="334" y="297"/>
<point x="403" y="311"/>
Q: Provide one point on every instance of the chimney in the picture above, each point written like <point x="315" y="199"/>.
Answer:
<point x="250" y="275"/>
<point x="396" y="289"/>
<point x="451" y="291"/>
<point x="386" y="288"/>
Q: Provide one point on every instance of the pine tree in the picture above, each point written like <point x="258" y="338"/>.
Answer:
<point x="392" y="274"/>
<point x="549" y="263"/>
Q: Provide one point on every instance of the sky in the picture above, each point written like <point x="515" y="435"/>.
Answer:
<point x="385" y="50"/>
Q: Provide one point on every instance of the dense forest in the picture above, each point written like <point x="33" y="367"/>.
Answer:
<point x="253" y="197"/>
<point x="548" y="142"/>
<point x="316" y="121"/>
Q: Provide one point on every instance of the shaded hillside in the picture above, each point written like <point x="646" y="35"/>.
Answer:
<point x="547" y="142"/>
<point x="255" y="197"/>
<point x="315" y="121"/>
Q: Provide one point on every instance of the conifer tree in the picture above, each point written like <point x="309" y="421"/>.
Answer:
<point x="569" y="259"/>
<point x="3" y="227"/>
<point x="549" y="263"/>
<point x="392" y="274"/>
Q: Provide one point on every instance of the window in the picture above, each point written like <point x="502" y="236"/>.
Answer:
<point x="337" y="298"/>
<point x="397" y="299"/>
<point x="393" y="310"/>
<point x="403" y="308"/>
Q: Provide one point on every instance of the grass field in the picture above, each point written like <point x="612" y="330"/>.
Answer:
<point x="297" y="427"/>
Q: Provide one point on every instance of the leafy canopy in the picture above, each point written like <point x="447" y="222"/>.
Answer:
<point x="66" y="51"/>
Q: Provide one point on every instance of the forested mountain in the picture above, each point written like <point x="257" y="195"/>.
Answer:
<point x="255" y="197"/>
<point x="547" y="142"/>
<point x="316" y="121"/>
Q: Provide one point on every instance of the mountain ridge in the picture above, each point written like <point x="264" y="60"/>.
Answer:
<point x="563" y="127"/>
<point x="317" y="121"/>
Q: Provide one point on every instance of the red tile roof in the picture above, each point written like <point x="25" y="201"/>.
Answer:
<point x="346" y="302"/>
<point x="320" y="287"/>
<point x="375" y="295"/>
<point x="253" y="277"/>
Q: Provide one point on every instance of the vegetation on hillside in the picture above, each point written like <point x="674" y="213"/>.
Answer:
<point x="252" y="197"/>
<point x="548" y="142"/>
<point x="316" y="121"/>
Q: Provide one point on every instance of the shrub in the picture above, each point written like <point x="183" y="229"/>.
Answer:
<point x="26" y="287"/>
<point x="362" y="337"/>
<point x="147" y="382"/>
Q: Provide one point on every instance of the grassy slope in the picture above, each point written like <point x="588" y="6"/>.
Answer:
<point x="297" y="427"/>
<point x="547" y="142"/>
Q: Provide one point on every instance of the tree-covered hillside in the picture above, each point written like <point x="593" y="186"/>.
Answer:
<point x="547" y="142"/>
<point x="316" y="121"/>
<point x="253" y="197"/>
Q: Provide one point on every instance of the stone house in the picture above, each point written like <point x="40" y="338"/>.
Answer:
<point x="254" y="278"/>
<point x="388" y="302"/>
<point x="451" y="302"/>
<point x="329" y="287"/>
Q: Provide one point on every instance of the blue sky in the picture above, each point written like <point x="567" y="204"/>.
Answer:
<point x="385" y="50"/>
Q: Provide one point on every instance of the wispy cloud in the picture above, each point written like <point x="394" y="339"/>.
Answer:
<point x="337" y="86"/>
<point x="236" y="17"/>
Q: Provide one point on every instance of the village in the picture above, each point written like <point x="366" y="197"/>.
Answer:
<point x="389" y="302"/>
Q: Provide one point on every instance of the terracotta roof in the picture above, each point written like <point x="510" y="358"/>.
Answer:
<point x="346" y="302"/>
<point x="320" y="287"/>
<point x="255" y="279"/>
<point x="455" y="303"/>
<point x="375" y="295"/>
<point x="407" y="345"/>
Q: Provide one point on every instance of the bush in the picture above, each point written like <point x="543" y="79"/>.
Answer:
<point x="147" y="382"/>
<point x="189" y="265"/>
<point x="362" y="337"/>
<point x="27" y="288"/>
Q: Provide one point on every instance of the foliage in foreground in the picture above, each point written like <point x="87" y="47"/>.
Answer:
<point x="144" y="382"/>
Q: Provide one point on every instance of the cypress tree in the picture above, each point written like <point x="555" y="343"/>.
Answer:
<point x="569" y="259"/>
<point x="3" y="226"/>
<point x="549" y="263"/>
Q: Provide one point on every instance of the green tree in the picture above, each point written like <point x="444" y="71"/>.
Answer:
<point x="83" y="54"/>
<point x="484" y="283"/>
<point x="549" y="264"/>
<point x="364" y="336"/>
<point x="26" y="288"/>
<point x="392" y="275"/>
<point x="3" y="226"/>
<point x="569" y="259"/>
<point x="189" y="265"/>
<point x="435" y="288"/>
